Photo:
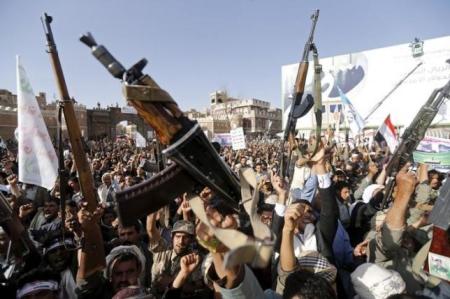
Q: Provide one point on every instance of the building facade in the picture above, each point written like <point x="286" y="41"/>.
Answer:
<point x="8" y="114"/>
<point x="225" y="113"/>
<point x="94" y="123"/>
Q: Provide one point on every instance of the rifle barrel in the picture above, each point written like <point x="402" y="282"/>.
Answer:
<point x="73" y="128"/>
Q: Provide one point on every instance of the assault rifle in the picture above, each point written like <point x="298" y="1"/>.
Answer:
<point x="298" y="107"/>
<point x="93" y="262"/>
<point x="197" y="164"/>
<point x="412" y="137"/>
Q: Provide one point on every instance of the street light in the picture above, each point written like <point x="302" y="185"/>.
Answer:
<point x="416" y="47"/>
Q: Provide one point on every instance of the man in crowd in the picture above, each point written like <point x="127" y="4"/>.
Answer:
<point x="311" y="259"/>
<point x="167" y="257"/>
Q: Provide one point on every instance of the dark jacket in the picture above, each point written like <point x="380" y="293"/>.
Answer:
<point x="326" y="226"/>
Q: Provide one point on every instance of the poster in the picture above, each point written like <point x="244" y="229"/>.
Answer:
<point x="438" y="161"/>
<point x="237" y="138"/>
<point x="367" y="77"/>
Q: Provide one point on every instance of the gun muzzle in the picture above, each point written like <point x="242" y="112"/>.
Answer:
<point x="88" y="40"/>
<point x="104" y="56"/>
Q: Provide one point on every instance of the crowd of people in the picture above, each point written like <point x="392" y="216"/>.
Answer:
<point x="334" y="237"/>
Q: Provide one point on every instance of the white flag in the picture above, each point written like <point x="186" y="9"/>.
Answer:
<point x="38" y="163"/>
<point x="355" y="121"/>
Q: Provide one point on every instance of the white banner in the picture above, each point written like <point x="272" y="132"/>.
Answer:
<point x="434" y="145"/>
<point x="128" y="110"/>
<point x="224" y="139"/>
<point x="140" y="140"/>
<point x="366" y="77"/>
<point x="237" y="138"/>
<point x="38" y="163"/>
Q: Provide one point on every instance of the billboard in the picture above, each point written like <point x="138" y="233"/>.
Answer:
<point x="366" y="77"/>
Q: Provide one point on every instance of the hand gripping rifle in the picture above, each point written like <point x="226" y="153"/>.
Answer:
<point x="298" y="107"/>
<point x="412" y="137"/>
<point x="95" y="261"/>
<point x="26" y="256"/>
<point x="197" y="164"/>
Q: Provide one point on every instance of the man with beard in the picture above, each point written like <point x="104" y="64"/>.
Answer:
<point x="107" y="190"/>
<point x="124" y="266"/>
<point x="131" y="235"/>
<point x="166" y="257"/>
<point x="50" y="221"/>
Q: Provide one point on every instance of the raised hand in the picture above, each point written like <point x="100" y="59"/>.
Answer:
<point x="406" y="182"/>
<point x="87" y="219"/>
<point x="189" y="263"/>
<point x="25" y="210"/>
<point x="185" y="206"/>
<point x="292" y="215"/>
<point x="204" y="235"/>
<point x="12" y="180"/>
<point x="278" y="184"/>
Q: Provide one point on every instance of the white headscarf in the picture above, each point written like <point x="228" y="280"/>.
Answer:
<point x="121" y="250"/>
<point x="372" y="281"/>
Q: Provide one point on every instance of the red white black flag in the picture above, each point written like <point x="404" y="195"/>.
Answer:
<point x="387" y="133"/>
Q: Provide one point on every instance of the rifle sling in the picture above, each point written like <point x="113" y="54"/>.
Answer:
<point x="317" y="99"/>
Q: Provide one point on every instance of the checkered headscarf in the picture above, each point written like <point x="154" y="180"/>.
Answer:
<point x="313" y="261"/>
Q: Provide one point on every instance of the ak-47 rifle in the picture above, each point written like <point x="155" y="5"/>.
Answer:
<point x="94" y="262"/>
<point x="412" y="137"/>
<point x="197" y="164"/>
<point x="298" y="107"/>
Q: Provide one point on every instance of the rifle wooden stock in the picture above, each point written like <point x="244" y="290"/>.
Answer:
<point x="301" y="78"/>
<point x="73" y="130"/>
<point x="91" y="263"/>
<point x="188" y="147"/>
<point x="162" y="117"/>
<point x="299" y="90"/>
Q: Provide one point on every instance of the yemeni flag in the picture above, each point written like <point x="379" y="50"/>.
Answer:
<point x="388" y="134"/>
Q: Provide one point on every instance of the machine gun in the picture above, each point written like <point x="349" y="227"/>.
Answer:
<point x="412" y="137"/>
<point x="197" y="164"/>
<point x="298" y="107"/>
<point x="97" y="261"/>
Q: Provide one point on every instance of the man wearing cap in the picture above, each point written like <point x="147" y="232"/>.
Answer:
<point x="166" y="257"/>
<point x="38" y="283"/>
<point x="59" y="254"/>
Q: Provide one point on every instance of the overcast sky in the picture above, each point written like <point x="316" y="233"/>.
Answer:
<point x="195" y="47"/>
